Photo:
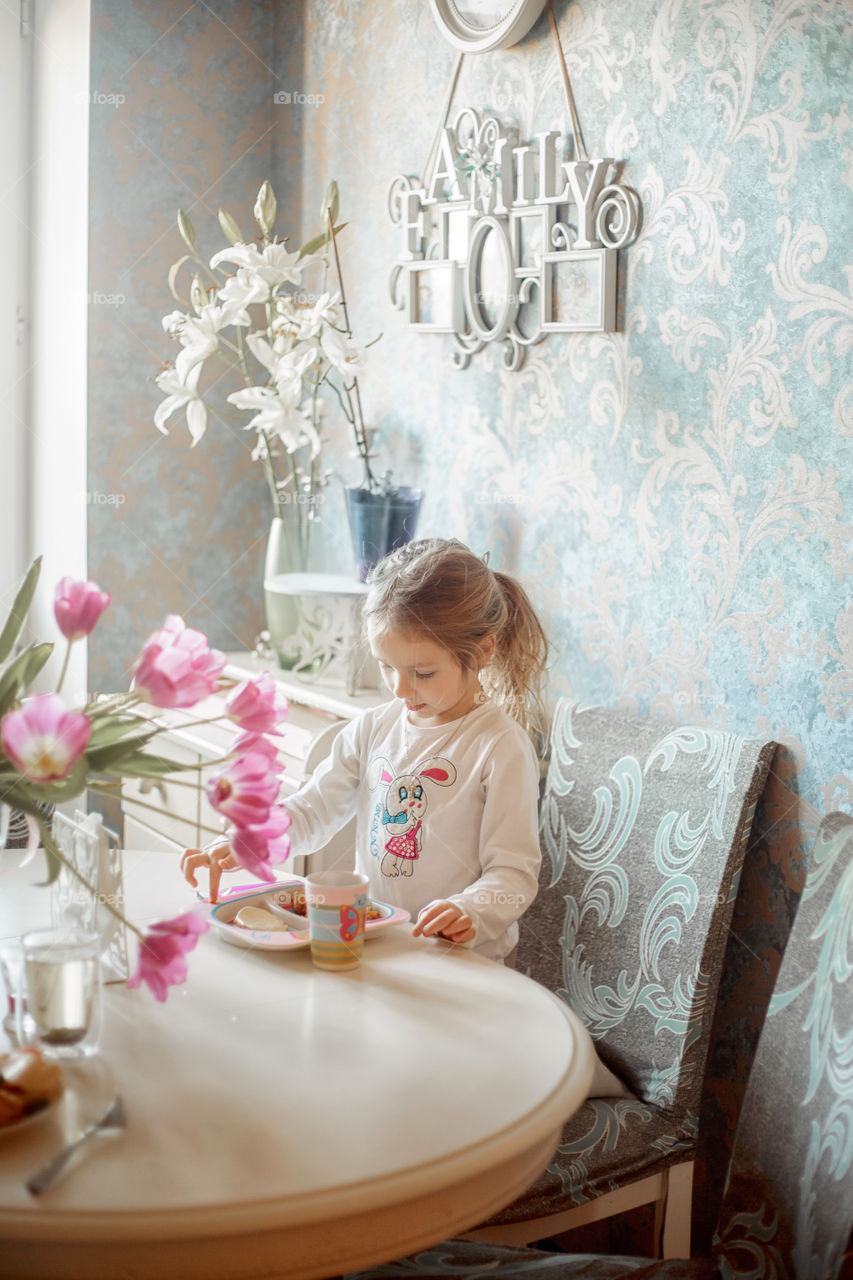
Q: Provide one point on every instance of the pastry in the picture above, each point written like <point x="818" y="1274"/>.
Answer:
<point x="28" y="1082"/>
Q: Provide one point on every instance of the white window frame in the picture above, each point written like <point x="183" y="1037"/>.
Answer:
<point x="15" y="182"/>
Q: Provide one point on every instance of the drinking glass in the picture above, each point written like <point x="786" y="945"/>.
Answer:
<point x="61" y="985"/>
<point x="337" y="907"/>
<point x="11" y="965"/>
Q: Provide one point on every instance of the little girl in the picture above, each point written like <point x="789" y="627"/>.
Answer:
<point x="443" y="779"/>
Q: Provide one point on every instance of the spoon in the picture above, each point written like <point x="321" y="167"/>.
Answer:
<point x="113" y="1119"/>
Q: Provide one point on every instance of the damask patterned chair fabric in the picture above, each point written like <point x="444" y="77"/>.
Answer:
<point x="474" y="1260"/>
<point x="644" y="827"/>
<point x="788" y="1207"/>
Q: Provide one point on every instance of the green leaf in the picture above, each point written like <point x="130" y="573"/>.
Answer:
<point x="186" y="229"/>
<point x="17" y="675"/>
<point x="20" y="609"/>
<point x="25" y="793"/>
<point x="230" y="228"/>
<point x="111" y="730"/>
<point x="37" y="656"/>
<point x="143" y="765"/>
<point x="54" y="861"/>
<point x="317" y="242"/>
<point x="110" y="755"/>
<point x="173" y="275"/>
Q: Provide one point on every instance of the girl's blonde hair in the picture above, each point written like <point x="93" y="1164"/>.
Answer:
<point x="439" y="588"/>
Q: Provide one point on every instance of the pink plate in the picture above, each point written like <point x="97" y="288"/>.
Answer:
<point x="223" y="913"/>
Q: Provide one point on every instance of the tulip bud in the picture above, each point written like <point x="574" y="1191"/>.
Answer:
<point x="230" y="228"/>
<point x="265" y="209"/>
<point x="77" y="607"/>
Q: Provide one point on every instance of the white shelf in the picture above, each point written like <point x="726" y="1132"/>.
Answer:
<point x="316" y="694"/>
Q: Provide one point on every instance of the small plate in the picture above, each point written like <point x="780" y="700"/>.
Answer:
<point x="223" y="913"/>
<point x="32" y="1118"/>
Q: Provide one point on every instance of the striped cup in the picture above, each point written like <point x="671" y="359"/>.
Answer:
<point x="337" y="908"/>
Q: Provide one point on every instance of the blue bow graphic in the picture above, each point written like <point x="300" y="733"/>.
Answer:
<point x="398" y="817"/>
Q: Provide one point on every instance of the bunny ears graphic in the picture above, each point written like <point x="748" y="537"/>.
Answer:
<point x="438" y="770"/>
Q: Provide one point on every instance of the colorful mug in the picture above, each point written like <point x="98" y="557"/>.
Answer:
<point x="337" y="909"/>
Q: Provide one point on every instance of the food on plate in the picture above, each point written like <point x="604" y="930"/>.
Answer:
<point x="28" y="1083"/>
<point x="258" y="918"/>
<point x="294" y="900"/>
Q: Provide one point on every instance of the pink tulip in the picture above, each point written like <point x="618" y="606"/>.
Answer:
<point x="258" y="744"/>
<point x="44" y="740"/>
<point x="177" y="668"/>
<point x="257" y="705"/>
<point x="77" y="607"/>
<point x="245" y="790"/>
<point x="161" y="952"/>
<point x="256" y="848"/>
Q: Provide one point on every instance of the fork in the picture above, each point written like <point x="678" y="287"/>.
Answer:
<point x="113" y="1119"/>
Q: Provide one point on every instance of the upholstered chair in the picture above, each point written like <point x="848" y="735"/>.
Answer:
<point x="787" y="1211"/>
<point x="644" y="828"/>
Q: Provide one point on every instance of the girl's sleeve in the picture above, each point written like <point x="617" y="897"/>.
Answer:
<point x="329" y="798"/>
<point x="509" y="841"/>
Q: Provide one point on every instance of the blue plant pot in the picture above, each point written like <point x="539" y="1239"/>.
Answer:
<point x="380" y="523"/>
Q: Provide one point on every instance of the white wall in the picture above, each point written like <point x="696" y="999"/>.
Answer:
<point x="59" y="307"/>
<point x="14" y="304"/>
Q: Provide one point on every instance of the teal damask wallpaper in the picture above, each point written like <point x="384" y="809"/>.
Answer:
<point x="677" y="495"/>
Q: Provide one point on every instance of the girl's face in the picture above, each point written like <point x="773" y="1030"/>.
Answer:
<point x="422" y="673"/>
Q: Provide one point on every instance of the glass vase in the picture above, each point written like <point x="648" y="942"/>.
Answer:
<point x="288" y="547"/>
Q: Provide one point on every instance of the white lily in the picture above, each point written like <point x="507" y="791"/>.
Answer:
<point x="278" y="414"/>
<point x="199" y="336"/>
<point x="173" y="323"/>
<point x="179" y="392"/>
<point x="292" y="367"/>
<point x="310" y="321"/>
<point x="341" y="352"/>
<point x="285" y="363"/>
<point x="243" y="290"/>
<point x="290" y="345"/>
<point x="272" y="264"/>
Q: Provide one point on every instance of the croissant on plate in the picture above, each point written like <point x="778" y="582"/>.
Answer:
<point x="28" y="1082"/>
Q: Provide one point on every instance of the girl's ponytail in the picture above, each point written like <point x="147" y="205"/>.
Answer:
<point x="514" y="677"/>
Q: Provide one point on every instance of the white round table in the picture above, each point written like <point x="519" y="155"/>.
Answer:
<point x="287" y="1121"/>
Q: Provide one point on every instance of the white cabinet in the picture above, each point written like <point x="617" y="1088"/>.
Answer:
<point x="174" y="813"/>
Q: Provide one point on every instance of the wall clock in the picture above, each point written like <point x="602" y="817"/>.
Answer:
<point x="476" y="26"/>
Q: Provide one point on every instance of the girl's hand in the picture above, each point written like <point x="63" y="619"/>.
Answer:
<point x="217" y="860"/>
<point x="445" y="920"/>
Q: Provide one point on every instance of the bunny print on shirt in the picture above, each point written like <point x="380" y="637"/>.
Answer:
<point x="402" y="815"/>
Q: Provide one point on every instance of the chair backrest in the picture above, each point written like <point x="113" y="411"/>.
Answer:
<point x="788" y="1205"/>
<point x="644" y="826"/>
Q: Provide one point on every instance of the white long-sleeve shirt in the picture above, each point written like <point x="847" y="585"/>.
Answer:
<point x="446" y="812"/>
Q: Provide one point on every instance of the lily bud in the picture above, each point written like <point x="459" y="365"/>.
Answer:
<point x="229" y="226"/>
<point x="331" y="202"/>
<point x="265" y="209"/>
<point x="186" y="229"/>
<point x="198" y="297"/>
